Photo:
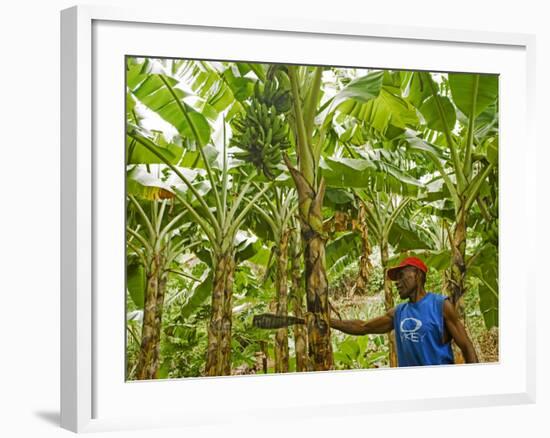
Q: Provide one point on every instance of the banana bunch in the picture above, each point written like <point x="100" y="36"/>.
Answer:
<point x="275" y="93"/>
<point x="262" y="131"/>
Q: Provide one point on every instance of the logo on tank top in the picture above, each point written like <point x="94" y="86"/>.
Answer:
<point x="410" y="330"/>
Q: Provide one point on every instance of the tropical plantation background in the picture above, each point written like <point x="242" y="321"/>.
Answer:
<point x="285" y="189"/>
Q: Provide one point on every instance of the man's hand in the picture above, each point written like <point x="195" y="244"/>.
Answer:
<point x="458" y="332"/>
<point x="382" y="324"/>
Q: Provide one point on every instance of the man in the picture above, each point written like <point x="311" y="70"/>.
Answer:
<point x="424" y="326"/>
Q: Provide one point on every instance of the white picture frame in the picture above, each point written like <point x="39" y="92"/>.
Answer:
<point x="91" y="393"/>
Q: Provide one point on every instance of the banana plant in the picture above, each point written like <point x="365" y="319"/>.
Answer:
<point x="370" y="99"/>
<point x="452" y="123"/>
<point x="472" y="151"/>
<point x="306" y="93"/>
<point x="220" y="227"/>
<point x="277" y="209"/>
<point x="382" y="212"/>
<point x="155" y="242"/>
<point x="289" y="97"/>
<point x="384" y="188"/>
<point x="219" y="215"/>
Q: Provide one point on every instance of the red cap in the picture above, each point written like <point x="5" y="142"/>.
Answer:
<point x="409" y="261"/>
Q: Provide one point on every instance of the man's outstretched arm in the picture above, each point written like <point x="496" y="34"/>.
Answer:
<point x="458" y="333"/>
<point x="382" y="324"/>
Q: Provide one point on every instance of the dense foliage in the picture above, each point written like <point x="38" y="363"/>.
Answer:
<point x="256" y="188"/>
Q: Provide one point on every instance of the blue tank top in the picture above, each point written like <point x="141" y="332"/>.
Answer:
<point x="419" y="330"/>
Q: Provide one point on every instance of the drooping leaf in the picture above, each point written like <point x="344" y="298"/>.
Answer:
<point x="247" y="245"/>
<point x="261" y="258"/>
<point x="136" y="283"/>
<point x="485" y="268"/>
<point x="418" y="144"/>
<point x="345" y="244"/>
<point x="492" y="151"/>
<point x="200" y="292"/>
<point x="362" y="173"/>
<point x="337" y="197"/>
<point x="404" y="236"/>
<point x="145" y="186"/>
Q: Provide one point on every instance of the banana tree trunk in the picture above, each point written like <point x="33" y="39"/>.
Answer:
<point x="311" y="192"/>
<point x="281" y="285"/>
<point x="311" y="227"/>
<point x="361" y="283"/>
<point x="149" y="354"/>
<point x="296" y="299"/>
<point x="218" y="359"/>
<point x="388" y="300"/>
<point x="456" y="284"/>
<point x="318" y="328"/>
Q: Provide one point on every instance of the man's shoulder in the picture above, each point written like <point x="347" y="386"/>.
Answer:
<point x="398" y="308"/>
<point x="437" y="296"/>
<point x="441" y="303"/>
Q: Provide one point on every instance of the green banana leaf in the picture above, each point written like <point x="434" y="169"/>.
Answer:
<point x="160" y="94"/>
<point x="193" y="159"/>
<point x="375" y="99"/>
<point x="247" y="245"/>
<point x="136" y="283"/>
<point x="363" y="173"/>
<point x="418" y="144"/>
<point x="261" y="258"/>
<point x="462" y="89"/>
<point x="207" y="80"/>
<point x="485" y="269"/>
<point x="337" y="198"/>
<point x="405" y="236"/>
<point x="136" y="153"/>
<point x="241" y="87"/>
<point x="199" y="293"/>
<point x="346" y="244"/>
<point x="441" y="207"/>
<point x="417" y="89"/>
<point x="385" y="110"/>
<point x="144" y="185"/>
<point x="394" y="81"/>
<point x="429" y="110"/>
<point x="362" y="89"/>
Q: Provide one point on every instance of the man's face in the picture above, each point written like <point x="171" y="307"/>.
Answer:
<point x="407" y="281"/>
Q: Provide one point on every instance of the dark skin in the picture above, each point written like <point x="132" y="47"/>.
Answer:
<point x="410" y="285"/>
